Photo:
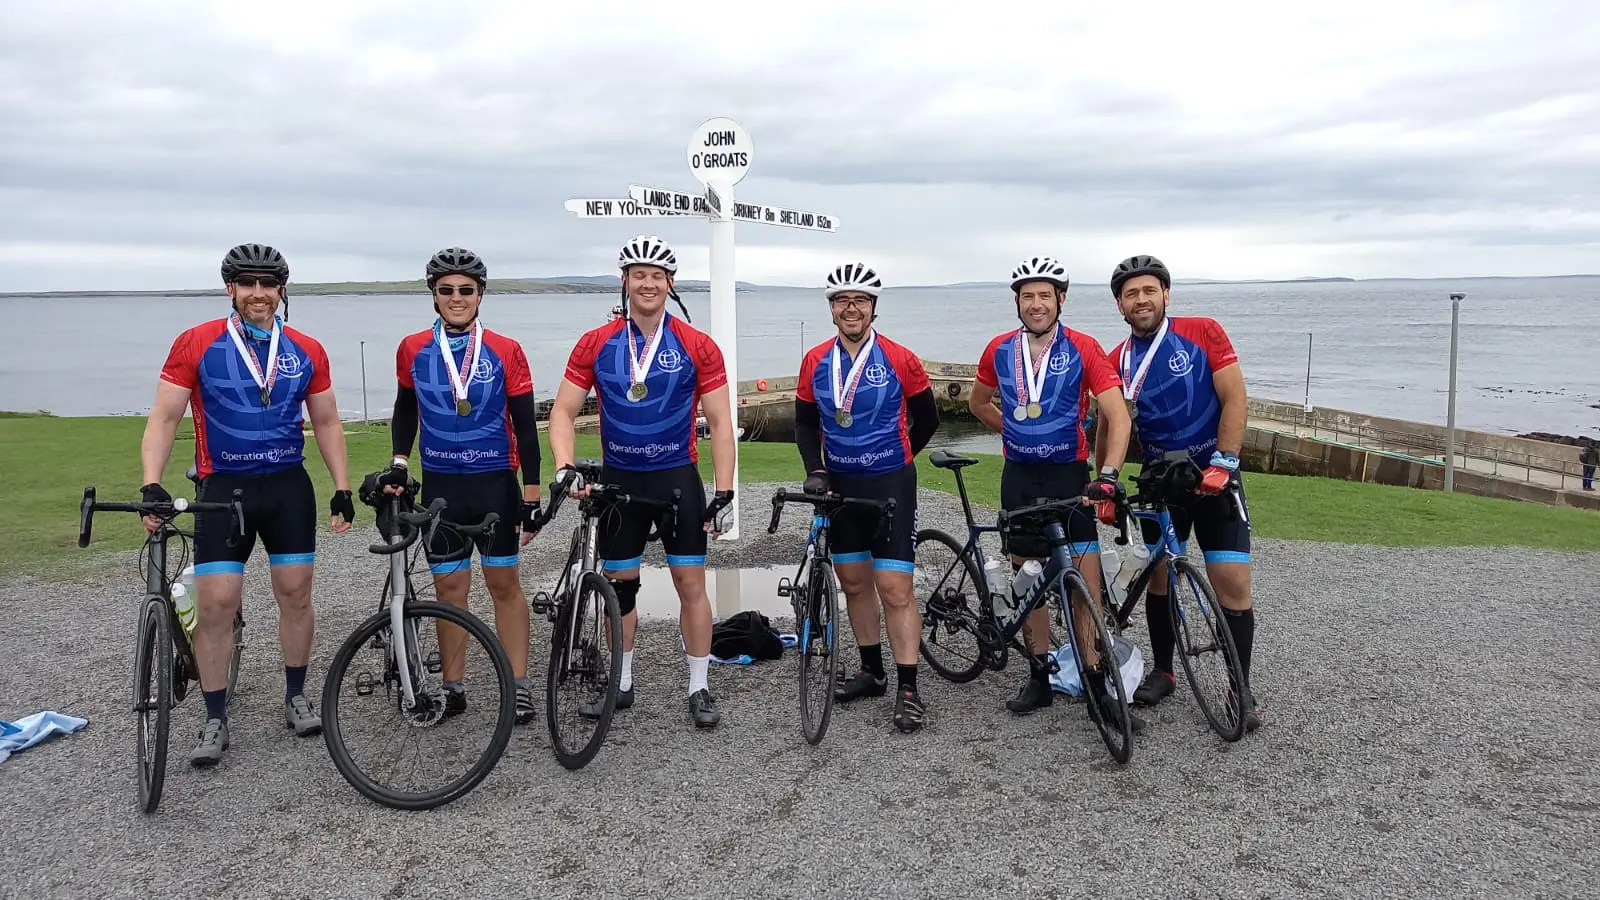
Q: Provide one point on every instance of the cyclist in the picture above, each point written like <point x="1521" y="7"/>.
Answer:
<point x="650" y="372"/>
<point x="1045" y="373"/>
<point x="863" y="410"/>
<point x="244" y="377"/>
<point x="474" y="404"/>
<point x="1187" y="392"/>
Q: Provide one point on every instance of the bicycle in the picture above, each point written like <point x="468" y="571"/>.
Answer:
<point x="814" y="595"/>
<point x="407" y="674"/>
<point x="164" y="661"/>
<point x="586" y="637"/>
<point x="950" y="607"/>
<point x="1175" y="475"/>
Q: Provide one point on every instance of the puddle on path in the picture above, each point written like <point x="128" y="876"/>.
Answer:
<point x="731" y="591"/>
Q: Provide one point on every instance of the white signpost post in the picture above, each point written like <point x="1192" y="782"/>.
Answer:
<point x="719" y="156"/>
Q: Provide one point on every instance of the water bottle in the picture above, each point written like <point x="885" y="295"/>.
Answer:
<point x="1023" y="583"/>
<point x="183" y="601"/>
<point x="993" y="572"/>
<point x="1111" y="564"/>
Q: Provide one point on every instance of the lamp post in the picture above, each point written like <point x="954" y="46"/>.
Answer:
<point x="1450" y="426"/>
<point x="1308" y="372"/>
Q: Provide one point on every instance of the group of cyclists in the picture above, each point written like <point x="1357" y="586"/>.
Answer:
<point x="864" y="409"/>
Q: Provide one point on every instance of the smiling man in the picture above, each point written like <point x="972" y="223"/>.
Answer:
<point x="245" y="378"/>
<point x="470" y="391"/>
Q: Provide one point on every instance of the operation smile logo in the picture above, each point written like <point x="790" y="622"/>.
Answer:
<point x="669" y="360"/>
<point x="1059" y="363"/>
<point x="289" y="366"/>
<point x="271" y="455"/>
<point x="483" y="371"/>
<point x="876" y="375"/>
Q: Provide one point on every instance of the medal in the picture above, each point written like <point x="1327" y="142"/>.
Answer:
<point x="459" y="383"/>
<point x="844" y="395"/>
<point x="1029" y="386"/>
<point x="638" y="367"/>
<point x="1131" y="388"/>
<point x="264" y="380"/>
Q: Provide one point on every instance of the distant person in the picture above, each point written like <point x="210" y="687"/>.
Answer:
<point x="1188" y="393"/>
<point x="1590" y="458"/>
<point x="245" y="378"/>
<point x="651" y="372"/>
<point x="864" y="409"/>
<point x="471" y="393"/>
<point x="1045" y="373"/>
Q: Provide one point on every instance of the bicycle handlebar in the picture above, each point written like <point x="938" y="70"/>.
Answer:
<point x="1120" y="501"/>
<point x="605" y="494"/>
<point x="429" y="516"/>
<point x="833" y="502"/>
<point x="166" y="511"/>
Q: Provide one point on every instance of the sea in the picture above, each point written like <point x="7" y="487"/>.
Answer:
<point x="1526" y="346"/>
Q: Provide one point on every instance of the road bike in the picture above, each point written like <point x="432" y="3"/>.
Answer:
<point x="409" y="673"/>
<point x="164" y="661"/>
<point x="586" y="637"/>
<point x="814" y="595"/>
<point x="1200" y="632"/>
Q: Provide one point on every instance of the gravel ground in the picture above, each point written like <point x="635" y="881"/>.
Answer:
<point x="1408" y="750"/>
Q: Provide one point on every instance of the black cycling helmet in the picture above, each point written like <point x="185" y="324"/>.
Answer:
<point x="254" y="258"/>
<point x="1135" y="266"/>
<point x="456" y="261"/>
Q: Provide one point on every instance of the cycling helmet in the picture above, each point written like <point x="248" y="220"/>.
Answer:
<point x="647" y="250"/>
<point x="254" y="258"/>
<point x="1039" y="268"/>
<point x="456" y="261"/>
<point x="1135" y="266"/>
<point x="854" y="277"/>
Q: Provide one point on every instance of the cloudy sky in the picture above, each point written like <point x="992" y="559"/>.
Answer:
<point x="139" y="140"/>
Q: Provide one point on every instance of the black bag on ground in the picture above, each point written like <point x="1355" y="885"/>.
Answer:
<point x="746" y="633"/>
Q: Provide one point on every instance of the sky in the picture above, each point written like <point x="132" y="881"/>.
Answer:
<point x="139" y="140"/>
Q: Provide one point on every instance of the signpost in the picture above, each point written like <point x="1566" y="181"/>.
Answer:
<point x="719" y="156"/>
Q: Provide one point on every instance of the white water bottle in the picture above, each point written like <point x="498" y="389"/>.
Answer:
<point x="992" y="569"/>
<point x="1023" y="583"/>
<point x="183" y="601"/>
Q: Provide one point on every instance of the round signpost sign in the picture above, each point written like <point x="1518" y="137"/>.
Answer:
<point x="720" y="151"/>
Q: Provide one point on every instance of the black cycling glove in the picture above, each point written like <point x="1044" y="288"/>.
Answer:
<point x="716" y="506"/>
<point x="816" y="483"/>
<point x="155" y="493"/>
<point x="343" y="504"/>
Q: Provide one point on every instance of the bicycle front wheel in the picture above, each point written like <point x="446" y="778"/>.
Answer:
<point x="819" y="644"/>
<point x="1108" y="711"/>
<point x="152" y="700"/>
<point x="471" y="736"/>
<point x="1205" y="646"/>
<point x="950" y="591"/>
<point x="585" y="673"/>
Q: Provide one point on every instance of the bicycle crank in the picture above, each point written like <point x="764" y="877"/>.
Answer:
<point x="991" y="645"/>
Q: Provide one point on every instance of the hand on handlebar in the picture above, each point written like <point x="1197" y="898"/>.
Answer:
<point x="1106" y="512"/>
<point x="153" y="493"/>
<point x="530" y="525"/>
<point x="573" y="479"/>
<point x="816" y="483"/>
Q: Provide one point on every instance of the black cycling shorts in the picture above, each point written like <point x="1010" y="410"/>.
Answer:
<point x="1026" y="483"/>
<point x="625" y="528"/>
<point x="1223" y="535"/>
<point x="280" y="508"/>
<point x="468" y="497"/>
<point x="854" y="531"/>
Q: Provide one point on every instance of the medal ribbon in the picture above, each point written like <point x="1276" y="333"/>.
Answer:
<point x="266" y="380"/>
<point x="458" y="384"/>
<point x="637" y="368"/>
<point x="1029" y="387"/>
<point x="844" y="396"/>
<point x="1131" y="389"/>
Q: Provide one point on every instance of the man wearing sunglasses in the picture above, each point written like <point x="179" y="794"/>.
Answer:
<point x="470" y="391"/>
<point x="245" y="378"/>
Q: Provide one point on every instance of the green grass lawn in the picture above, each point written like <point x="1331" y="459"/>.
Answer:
<point x="49" y="460"/>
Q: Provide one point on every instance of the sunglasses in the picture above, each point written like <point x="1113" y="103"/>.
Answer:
<point x="446" y="290"/>
<point x="266" y="281"/>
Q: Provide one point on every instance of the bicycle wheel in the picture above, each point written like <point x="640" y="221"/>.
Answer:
<point x="819" y="645"/>
<point x="1201" y="634"/>
<point x="586" y="654"/>
<point x="238" y="651"/>
<point x="949" y="588"/>
<point x="152" y="700"/>
<point x="346" y="708"/>
<point x="1116" y="731"/>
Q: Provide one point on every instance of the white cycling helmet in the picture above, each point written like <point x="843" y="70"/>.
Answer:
<point x="854" y="277"/>
<point x="1039" y="268"/>
<point x="647" y="250"/>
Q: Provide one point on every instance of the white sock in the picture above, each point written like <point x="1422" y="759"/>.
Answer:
<point x="697" y="672"/>
<point x="627" y="671"/>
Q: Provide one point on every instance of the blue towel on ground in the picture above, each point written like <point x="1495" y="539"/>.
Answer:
<point x="28" y="731"/>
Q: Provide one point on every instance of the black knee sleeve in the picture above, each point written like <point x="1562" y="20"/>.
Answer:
<point x="627" y="591"/>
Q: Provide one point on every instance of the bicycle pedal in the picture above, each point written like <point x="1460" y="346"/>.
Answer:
<point x="540" y="603"/>
<point x="785" y="587"/>
<point x="365" y="684"/>
<point x="433" y="663"/>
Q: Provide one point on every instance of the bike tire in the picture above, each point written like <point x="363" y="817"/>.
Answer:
<point x="1117" y="736"/>
<point x="333" y="734"/>
<point x="238" y="652"/>
<point x="1223" y="636"/>
<point x="153" y="662"/>
<point x="956" y="674"/>
<point x="592" y="588"/>
<point x="822" y="601"/>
